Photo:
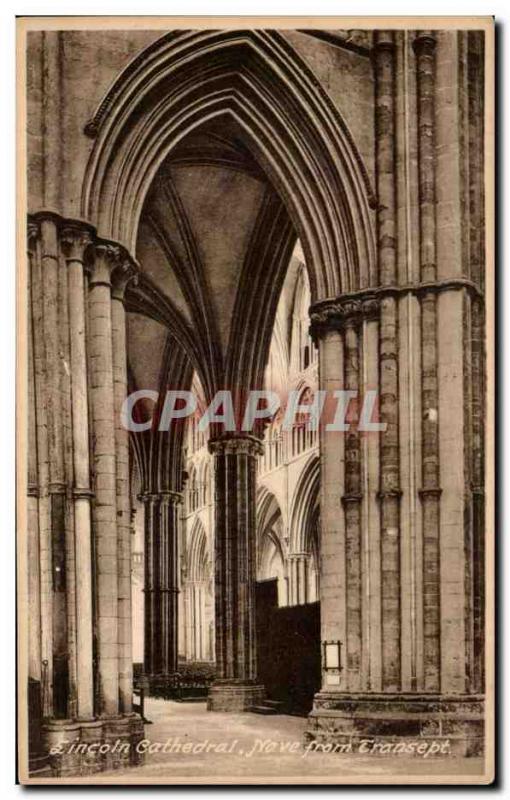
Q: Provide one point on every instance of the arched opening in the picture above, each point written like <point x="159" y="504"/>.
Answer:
<point x="199" y="600"/>
<point x="271" y="555"/>
<point x="239" y="194"/>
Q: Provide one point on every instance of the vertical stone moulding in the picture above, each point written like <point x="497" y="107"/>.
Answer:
<point x="124" y="274"/>
<point x="389" y="494"/>
<point x="430" y="493"/>
<point x="106" y="258"/>
<point x="74" y="242"/>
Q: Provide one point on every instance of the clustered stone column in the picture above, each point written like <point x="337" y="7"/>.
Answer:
<point x="122" y="275"/>
<point x="74" y="242"/>
<point x="405" y="605"/>
<point x="79" y="544"/>
<point x="298" y="578"/>
<point x="236" y="687"/>
<point x="162" y="514"/>
<point x="338" y="328"/>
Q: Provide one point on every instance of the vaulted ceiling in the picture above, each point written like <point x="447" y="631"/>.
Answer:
<point x="214" y="243"/>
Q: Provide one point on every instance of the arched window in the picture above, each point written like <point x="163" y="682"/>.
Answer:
<point x="303" y="352"/>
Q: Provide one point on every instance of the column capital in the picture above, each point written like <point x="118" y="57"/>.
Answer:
<point x="170" y="498"/>
<point x="107" y="257"/>
<point x="164" y="496"/>
<point x="74" y="240"/>
<point x="123" y="274"/>
<point x="236" y="444"/>
<point x="424" y="43"/>
<point x="342" y="312"/>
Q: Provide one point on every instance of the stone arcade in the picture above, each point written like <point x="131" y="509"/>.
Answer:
<point x="236" y="210"/>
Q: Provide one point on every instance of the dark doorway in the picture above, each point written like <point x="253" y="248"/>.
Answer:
<point x="288" y="649"/>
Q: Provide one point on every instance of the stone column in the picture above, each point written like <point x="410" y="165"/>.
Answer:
<point x="33" y="545"/>
<point x="334" y="566"/>
<point x="74" y="242"/>
<point x="235" y="463"/>
<point x="433" y="701"/>
<point x="384" y="68"/>
<point x="430" y="493"/>
<point x="351" y="501"/>
<point x="105" y="508"/>
<point x="173" y="501"/>
<point x="121" y="277"/>
<point x="58" y="666"/>
<point x="298" y="574"/>
<point x="43" y="476"/>
<point x="162" y="512"/>
<point x="149" y="578"/>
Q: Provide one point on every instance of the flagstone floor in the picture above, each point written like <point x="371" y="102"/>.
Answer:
<point x="187" y="743"/>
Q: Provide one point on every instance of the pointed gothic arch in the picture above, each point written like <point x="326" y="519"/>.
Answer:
<point x="304" y="507"/>
<point x="291" y="126"/>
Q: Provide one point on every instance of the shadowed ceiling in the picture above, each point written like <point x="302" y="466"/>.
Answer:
<point x="214" y="242"/>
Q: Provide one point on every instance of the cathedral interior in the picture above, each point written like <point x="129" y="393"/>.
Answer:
<point x="290" y="210"/>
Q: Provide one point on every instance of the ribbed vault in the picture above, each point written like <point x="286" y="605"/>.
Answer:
<point x="290" y="127"/>
<point x="213" y="152"/>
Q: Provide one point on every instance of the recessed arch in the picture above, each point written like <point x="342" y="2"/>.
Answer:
<point x="199" y="566"/>
<point x="303" y="514"/>
<point x="292" y="129"/>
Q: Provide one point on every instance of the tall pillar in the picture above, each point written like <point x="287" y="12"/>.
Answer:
<point x="43" y="469"/>
<point x="74" y="242"/>
<point x="105" y="507"/>
<point x="74" y="571"/>
<point x="33" y="533"/>
<point x="384" y="68"/>
<point x="162" y="512"/>
<point x="351" y="501"/>
<point x="121" y="277"/>
<point x="430" y="493"/>
<point x="418" y="611"/>
<point x="235" y="461"/>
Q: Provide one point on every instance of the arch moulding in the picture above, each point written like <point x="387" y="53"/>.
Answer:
<point x="188" y="78"/>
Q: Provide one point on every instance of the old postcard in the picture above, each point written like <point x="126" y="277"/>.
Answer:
<point x="255" y="382"/>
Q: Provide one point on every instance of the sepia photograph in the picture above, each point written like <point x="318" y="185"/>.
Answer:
<point x="255" y="433"/>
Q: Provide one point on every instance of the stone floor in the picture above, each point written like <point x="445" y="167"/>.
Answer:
<point x="205" y="747"/>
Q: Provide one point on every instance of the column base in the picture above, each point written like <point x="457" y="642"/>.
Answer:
<point x="232" y="696"/>
<point x="85" y="747"/>
<point x="397" y="724"/>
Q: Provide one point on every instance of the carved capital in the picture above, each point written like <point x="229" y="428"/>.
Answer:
<point x="122" y="275"/>
<point x="370" y="308"/>
<point x="345" y="312"/>
<point x="424" y="43"/>
<point x="107" y="257"/>
<point x="170" y="498"/>
<point x="236" y="444"/>
<point x="74" y="241"/>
